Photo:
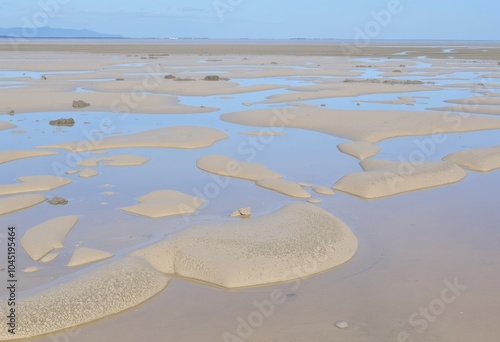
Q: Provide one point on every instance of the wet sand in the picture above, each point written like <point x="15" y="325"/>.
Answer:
<point x="184" y="167"/>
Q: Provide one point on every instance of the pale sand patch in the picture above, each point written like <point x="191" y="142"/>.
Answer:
<point x="188" y="137"/>
<point x="164" y="203"/>
<point x="30" y="269"/>
<point x="324" y="91"/>
<point x="7" y="156"/>
<point x="477" y="159"/>
<point x="264" y="133"/>
<point x="403" y="100"/>
<point x="84" y="255"/>
<point x="470" y="109"/>
<point x="314" y="201"/>
<point x="258" y="251"/>
<point x="72" y="172"/>
<point x="34" y="183"/>
<point x="6" y="125"/>
<point x="225" y="166"/>
<point x="121" y="160"/>
<point x="102" y="292"/>
<point x="359" y="149"/>
<point x="20" y="202"/>
<point x="323" y="190"/>
<point x="386" y="178"/>
<point x="180" y="88"/>
<point x="46" y="236"/>
<point x="49" y="257"/>
<point x="87" y="173"/>
<point x="44" y="100"/>
<point x="288" y="188"/>
<point x="363" y="125"/>
<point x="477" y="100"/>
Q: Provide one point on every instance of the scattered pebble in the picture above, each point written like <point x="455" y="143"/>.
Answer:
<point x="342" y="325"/>
<point x="56" y="200"/>
<point x="62" y="122"/>
<point x="242" y="213"/>
<point x="80" y="104"/>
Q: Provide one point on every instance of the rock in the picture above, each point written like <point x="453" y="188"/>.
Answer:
<point x="62" y="122"/>
<point x="396" y="70"/>
<point x="80" y="104"/>
<point x="44" y="77"/>
<point x="274" y="63"/>
<point x="242" y="213"/>
<point x="212" y="78"/>
<point x="56" y="200"/>
<point x="342" y="325"/>
<point x="120" y="79"/>
<point x="11" y="112"/>
<point x="169" y="77"/>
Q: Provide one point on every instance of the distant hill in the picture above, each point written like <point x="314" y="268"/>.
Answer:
<point x="49" y="32"/>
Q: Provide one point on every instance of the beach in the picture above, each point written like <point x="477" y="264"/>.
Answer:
<point x="251" y="191"/>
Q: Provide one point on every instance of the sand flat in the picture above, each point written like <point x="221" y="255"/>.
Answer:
<point x="229" y="167"/>
<point x="88" y="173"/>
<point x="490" y="110"/>
<point x="163" y="203"/>
<point x="477" y="159"/>
<point x="6" y="125"/>
<point x="363" y="125"/>
<point x="323" y="190"/>
<point x="83" y="255"/>
<point x="196" y="87"/>
<point x="256" y="251"/>
<point x="14" y="203"/>
<point x="41" y="239"/>
<point x="359" y="149"/>
<point x="45" y="101"/>
<point x="188" y="137"/>
<point x="34" y="183"/>
<point x="384" y="178"/>
<point x="120" y="160"/>
<point x="8" y="156"/>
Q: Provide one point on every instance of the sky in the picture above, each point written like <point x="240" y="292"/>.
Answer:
<point x="273" y="19"/>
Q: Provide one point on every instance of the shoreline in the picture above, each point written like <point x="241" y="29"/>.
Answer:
<point x="353" y="50"/>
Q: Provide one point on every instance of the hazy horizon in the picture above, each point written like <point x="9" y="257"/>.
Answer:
<point x="237" y="19"/>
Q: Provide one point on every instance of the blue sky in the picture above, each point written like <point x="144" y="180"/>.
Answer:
<point x="417" y="19"/>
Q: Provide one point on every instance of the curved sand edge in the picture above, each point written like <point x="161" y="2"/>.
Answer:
<point x="386" y="178"/>
<point x="162" y="203"/>
<point x="478" y="159"/>
<point x="489" y="110"/>
<point x="104" y="291"/>
<point x="188" y="137"/>
<point x="34" y="183"/>
<point x="323" y="190"/>
<point x="8" y="156"/>
<point x="225" y="166"/>
<point x="88" y="173"/>
<point x="41" y="239"/>
<point x="359" y="149"/>
<point x="288" y="188"/>
<point x="14" y="203"/>
<point x="258" y="251"/>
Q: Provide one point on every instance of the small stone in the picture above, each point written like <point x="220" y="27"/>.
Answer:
<point x="120" y="79"/>
<point x="212" y="78"/>
<point x="62" y="122"/>
<point x="80" y="104"/>
<point x="342" y="325"/>
<point x="11" y="112"/>
<point x="56" y="200"/>
<point x="169" y="77"/>
<point x="44" y="77"/>
<point x="242" y="213"/>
